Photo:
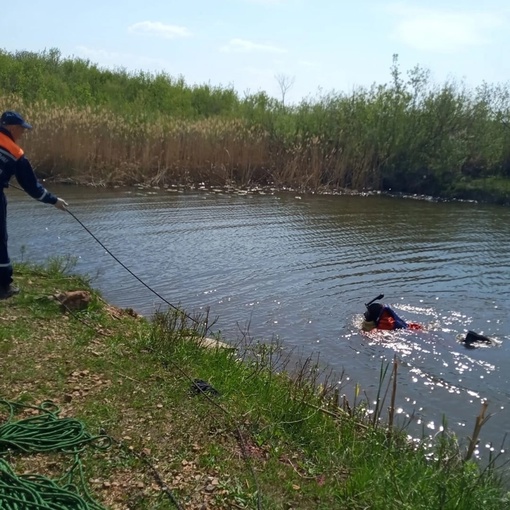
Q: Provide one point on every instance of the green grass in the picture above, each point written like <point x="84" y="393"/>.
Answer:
<point x="491" y="189"/>
<point x="266" y="432"/>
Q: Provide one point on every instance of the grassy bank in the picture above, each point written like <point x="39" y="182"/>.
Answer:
<point x="409" y="135"/>
<point x="269" y="439"/>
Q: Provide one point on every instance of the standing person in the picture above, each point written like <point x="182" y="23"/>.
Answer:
<point x="13" y="162"/>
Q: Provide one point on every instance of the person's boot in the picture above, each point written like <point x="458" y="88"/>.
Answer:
<point x="9" y="291"/>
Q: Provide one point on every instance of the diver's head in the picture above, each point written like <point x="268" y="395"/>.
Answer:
<point x="373" y="312"/>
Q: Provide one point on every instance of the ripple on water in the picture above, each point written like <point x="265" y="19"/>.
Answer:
<point x="301" y="270"/>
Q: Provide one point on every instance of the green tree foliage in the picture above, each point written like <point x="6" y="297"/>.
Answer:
<point x="407" y="135"/>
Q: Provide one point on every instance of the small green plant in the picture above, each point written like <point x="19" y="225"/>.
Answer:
<point x="60" y="264"/>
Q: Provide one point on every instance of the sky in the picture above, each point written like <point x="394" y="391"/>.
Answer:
<point x="310" y="48"/>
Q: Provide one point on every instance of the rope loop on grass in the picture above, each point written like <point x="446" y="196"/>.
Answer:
<point x="43" y="433"/>
<point x="36" y="492"/>
<point x="46" y="431"/>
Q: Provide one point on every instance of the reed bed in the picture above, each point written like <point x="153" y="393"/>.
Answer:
<point x="408" y="135"/>
<point x="103" y="149"/>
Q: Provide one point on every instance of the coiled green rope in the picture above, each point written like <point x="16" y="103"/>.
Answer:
<point x="44" y="433"/>
<point x="34" y="492"/>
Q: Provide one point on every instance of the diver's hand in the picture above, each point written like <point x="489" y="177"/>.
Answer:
<point x="61" y="204"/>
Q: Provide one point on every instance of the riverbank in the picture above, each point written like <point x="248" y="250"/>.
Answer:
<point x="409" y="135"/>
<point x="260" y="436"/>
<point x="499" y="194"/>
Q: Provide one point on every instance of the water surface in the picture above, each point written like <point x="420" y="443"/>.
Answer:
<point x="300" y="268"/>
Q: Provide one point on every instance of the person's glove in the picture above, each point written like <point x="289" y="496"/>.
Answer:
<point x="61" y="204"/>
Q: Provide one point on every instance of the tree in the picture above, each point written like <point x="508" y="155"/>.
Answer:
<point x="285" y="82"/>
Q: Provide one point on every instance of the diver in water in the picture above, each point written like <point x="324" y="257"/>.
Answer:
<point x="379" y="316"/>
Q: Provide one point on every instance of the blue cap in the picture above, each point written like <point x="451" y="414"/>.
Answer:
<point x="10" y="118"/>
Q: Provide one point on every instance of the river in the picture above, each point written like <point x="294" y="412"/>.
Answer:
<point x="300" y="268"/>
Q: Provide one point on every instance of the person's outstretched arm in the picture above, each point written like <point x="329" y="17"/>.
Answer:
<point x="27" y="179"/>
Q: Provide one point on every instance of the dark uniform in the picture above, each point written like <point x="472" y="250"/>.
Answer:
<point x="13" y="162"/>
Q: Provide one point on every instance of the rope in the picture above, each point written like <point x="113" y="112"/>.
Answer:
<point x="124" y="266"/>
<point x="34" y="492"/>
<point x="46" y="432"/>
<point x="239" y="435"/>
<point x="131" y="272"/>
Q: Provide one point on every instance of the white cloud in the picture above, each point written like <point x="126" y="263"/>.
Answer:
<point x="443" y="30"/>
<point x="244" y="46"/>
<point x="159" y="29"/>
